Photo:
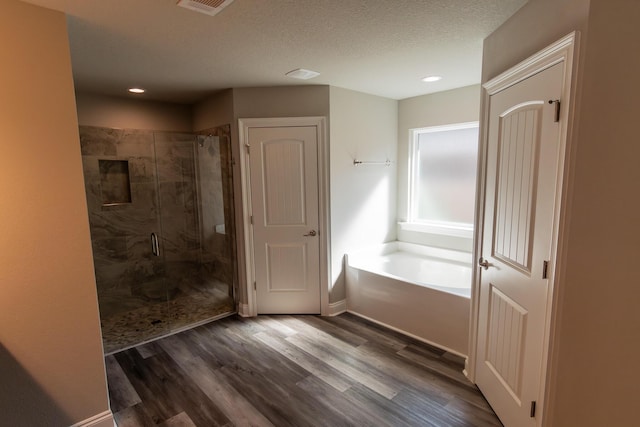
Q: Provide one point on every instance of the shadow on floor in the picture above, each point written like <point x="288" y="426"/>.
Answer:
<point x="23" y="402"/>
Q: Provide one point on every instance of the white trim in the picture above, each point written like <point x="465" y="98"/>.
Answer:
<point x="444" y="128"/>
<point x="560" y="51"/>
<point x="336" y="308"/>
<point x="323" y="203"/>
<point x="446" y="229"/>
<point x="244" y="310"/>
<point x="250" y="308"/>
<point x="415" y="337"/>
<point x="104" y="419"/>
<point x="563" y="51"/>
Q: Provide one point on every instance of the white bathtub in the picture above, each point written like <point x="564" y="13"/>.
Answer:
<point x="420" y="291"/>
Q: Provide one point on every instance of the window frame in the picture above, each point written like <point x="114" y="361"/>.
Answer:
<point x="412" y="223"/>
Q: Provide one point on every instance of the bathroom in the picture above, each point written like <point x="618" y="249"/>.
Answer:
<point x="377" y="130"/>
<point x="48" y="307"/>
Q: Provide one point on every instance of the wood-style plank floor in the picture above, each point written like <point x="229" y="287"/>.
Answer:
<point x="292" y="371"/>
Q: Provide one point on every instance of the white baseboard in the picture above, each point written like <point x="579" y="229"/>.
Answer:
<point x="105" y="419"/>
<point x="243" y="310"/>
<point x="336" y="308"/>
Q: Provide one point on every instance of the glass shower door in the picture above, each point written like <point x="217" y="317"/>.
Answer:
<point x="193" y="227"/>
<point x="122" y="199"/>
<point x="161" y="217"/>
<point x="179" y="237"/>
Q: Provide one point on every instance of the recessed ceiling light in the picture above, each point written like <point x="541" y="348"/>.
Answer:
<point x="431" y="79"/>
<point x="302" y="74"/>
<point x="136" y="90"/>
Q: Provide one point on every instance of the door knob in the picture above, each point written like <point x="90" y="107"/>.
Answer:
<point x="483" y="263"/>
<point x="311" y="233"/>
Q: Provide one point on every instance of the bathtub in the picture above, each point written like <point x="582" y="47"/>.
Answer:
<point x="420" y="291"/>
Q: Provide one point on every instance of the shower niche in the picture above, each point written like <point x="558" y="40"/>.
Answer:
<point x="114" y="182"/>
<point x="161" y="218"/>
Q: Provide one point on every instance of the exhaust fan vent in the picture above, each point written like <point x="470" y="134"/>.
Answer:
<point x="210" y="7"/>
<point x="302" y="74"/>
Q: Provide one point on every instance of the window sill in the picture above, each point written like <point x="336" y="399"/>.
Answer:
<point x="450" y="229"/>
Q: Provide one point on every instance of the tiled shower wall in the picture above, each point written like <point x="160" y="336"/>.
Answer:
<point x="120" y="233"/>
<point x="179" y="190"/>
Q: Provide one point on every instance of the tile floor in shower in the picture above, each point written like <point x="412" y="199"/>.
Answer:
<point x="136" y="320"/>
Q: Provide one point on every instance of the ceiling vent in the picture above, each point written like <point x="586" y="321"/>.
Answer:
<point x="302" y="74"/>
<point x="210" y="7"/>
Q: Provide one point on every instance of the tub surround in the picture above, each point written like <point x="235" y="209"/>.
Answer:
<point x="436" y="268"/>
<point x="420" y="291"/>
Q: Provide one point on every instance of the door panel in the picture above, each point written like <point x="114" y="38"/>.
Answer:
<point x="286" y="267"/>
<point x="516" y="186"/>
<point x="284" y="199"/>
<point x="506" y="326"/>
<point x="283" y="172"/>
<point x="522" y="172"/>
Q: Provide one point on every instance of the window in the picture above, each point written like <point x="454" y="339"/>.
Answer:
<point x="442" y="179"/>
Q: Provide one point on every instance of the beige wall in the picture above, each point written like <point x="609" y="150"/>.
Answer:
<point x="50" y="346"/>
<point x="536" y="25"/>
<point x="453" y="106"/>
<point x="600" y="316"/>
<point x="363" y="198"/>
<point x="131" y="113"/>
<point x="592" y="381"/>
<point x="215" y="110"/>
<point x="286" y="101"/>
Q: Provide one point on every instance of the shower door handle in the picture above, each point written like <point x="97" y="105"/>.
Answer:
<point x="155" y="246"/>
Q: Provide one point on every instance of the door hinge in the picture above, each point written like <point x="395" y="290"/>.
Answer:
<point x="557" y="113"/>
<point x="545" y="269"/>
<point x="251" y="219"/>
<point x="255" y="286"/>
<point x="532" y="413"/>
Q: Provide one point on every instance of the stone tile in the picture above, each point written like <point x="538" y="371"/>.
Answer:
<point x="127" y="328"/>
<point x="111" y="248"/>
<point x="99" y="141"/>
<point x="142" y="169"/>
<point x="144" y="196"/>
<point x="135" y="143"/>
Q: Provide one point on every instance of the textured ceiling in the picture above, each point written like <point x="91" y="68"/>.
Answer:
<point x="380" y="47"/>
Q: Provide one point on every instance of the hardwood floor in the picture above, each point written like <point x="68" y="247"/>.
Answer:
<point x="292" y="371"/>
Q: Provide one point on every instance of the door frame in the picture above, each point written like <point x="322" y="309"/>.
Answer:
<point x="563" y="51"/>
<point x="250" y="309"/>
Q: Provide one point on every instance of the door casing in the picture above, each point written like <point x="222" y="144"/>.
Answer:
<point x="250" y="308"/>
<point x="563" y="51"/>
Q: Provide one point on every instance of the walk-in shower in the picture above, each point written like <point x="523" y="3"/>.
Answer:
<point x="161" y="217"/>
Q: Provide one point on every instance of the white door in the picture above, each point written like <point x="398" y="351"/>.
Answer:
<point x="522" y="172"/>
<point x="284" y="199"/>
